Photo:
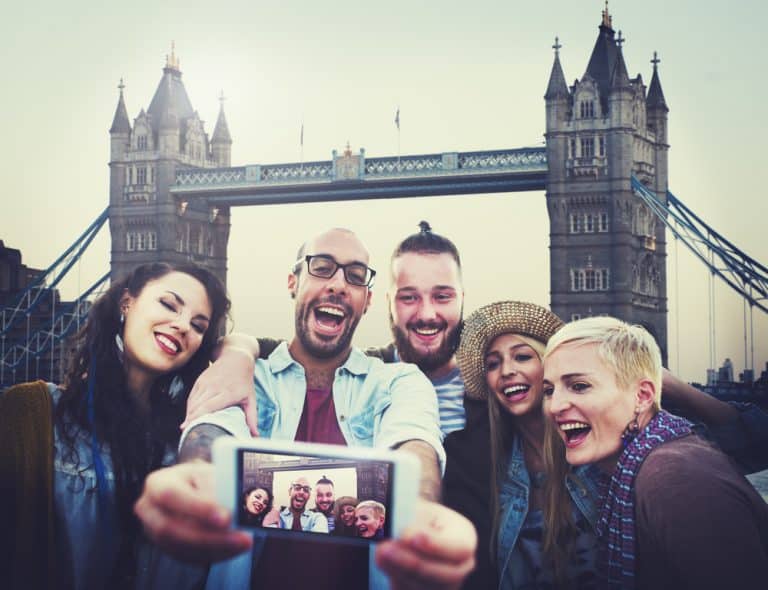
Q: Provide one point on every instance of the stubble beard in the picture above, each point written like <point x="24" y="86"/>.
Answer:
<point x="318" y="348"/>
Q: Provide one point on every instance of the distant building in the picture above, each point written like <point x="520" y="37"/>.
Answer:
<point x="15" y="365"/>
<point x="147" y="223"/>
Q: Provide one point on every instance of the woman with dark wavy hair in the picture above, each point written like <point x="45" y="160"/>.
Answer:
<point x="257" y="503"/>
<point x="116" y="417"/>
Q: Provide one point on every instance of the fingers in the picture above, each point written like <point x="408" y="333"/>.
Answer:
<point x="179" y="514"/>
<point x="436" y="551"/>
<point x="211" y="403"/>
<point x="408" y="566"/>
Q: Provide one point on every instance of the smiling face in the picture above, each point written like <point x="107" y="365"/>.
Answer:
<point x="590" y="409"/>
<point x="328" y="310"/>
<point x="257" y="501"/>
<point x="347" y="515"/>
<point x="324" y="498"/>
<point x="513" y="373"/>
<point x="164" y="326"/>
<point x="368" y="522"/>
<point x="425" y="307"/>
<point x="299" y="494"/>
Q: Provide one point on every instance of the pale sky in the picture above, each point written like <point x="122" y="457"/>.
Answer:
<point x="466" y="76"/>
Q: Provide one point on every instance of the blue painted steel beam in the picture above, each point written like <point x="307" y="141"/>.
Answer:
<point x="352" y="190"/>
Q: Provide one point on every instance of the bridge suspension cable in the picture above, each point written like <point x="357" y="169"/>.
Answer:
<point x="44" y="284"/>
<point x="743" y="274"/>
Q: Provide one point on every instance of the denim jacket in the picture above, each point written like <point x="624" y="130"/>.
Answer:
<point x="513" y="500"/>
<point x="87" y="530"/>
<point x="377" y="405"/>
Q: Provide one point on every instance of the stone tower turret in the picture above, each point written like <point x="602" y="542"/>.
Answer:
<point x="607" y="249"/>
<point x="221" y="141"/>
<point x="147" y="222"/>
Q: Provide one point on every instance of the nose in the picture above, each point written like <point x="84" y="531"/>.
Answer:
<point x="337" y="283"/>
<point x="427" y="311"/>
<point x="557" y="402"/>
<point x="508" y="366"/>
<point x="182" y="323"/>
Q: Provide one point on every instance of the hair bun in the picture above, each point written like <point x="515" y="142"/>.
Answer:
<point x="424" y="227"/>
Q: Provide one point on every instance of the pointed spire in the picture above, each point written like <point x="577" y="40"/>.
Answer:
<point x="221" y="131"/>
<point x="655" y="94"/>
<point x="557" y="88"/>
<point x="607" y="18"/>
<point x="120" y="122"/>
<point x="171" y="61"/>
<point x="619" y="76"/>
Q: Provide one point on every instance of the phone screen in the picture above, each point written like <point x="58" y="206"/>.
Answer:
<point x="347" y="500"/>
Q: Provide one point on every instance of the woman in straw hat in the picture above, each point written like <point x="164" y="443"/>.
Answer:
<point x="500" y="357"/>
<point x="676" y="512"/>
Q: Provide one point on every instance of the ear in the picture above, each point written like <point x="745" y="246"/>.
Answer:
<point x="368" y="300"/>
<point x="645" y="395"/>
<point x="293" y="284"/>
<point x="125" y="301"/>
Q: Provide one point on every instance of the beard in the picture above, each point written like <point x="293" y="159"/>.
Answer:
<point x="318" y="347"/>
<point x="432" y="360"/>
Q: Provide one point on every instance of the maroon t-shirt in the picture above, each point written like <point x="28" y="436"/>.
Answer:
<point x="296" y="563"/>
<point x="318" y="419"/>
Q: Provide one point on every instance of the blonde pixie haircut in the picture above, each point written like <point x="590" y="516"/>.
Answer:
<point x="628" y="350"/>
<point x="377" y="507"/>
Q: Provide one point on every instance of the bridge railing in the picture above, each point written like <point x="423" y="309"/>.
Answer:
<point x="349" y="166"/>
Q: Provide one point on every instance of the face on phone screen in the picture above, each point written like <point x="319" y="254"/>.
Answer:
<point x="289" y="494"/>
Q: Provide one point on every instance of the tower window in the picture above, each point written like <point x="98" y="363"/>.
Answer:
<point x="573" y="148"/>
<point x="587" y="147"/>
<point x="141" y="142"/>
<point x="141" y="175"/>
<point x="589" y="223"/>
<point x="602" y="222"/>
<point x="590" y="279"/>
<point x="130" y="241"/>
<point x="151" y="240"/>
<point x="601" y="146"/>
<point x="575" y="225"/>
<point x="587" y="109"/>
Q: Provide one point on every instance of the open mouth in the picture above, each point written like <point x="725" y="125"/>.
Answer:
<point x="574" y="432"/>
<point x="329" y="318"/>
<point x="426" y="333"/>
<point x="167" y="344"/>
<point x="516" y="392"/>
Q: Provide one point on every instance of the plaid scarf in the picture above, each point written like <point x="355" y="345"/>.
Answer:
<point x="616" y="524"/>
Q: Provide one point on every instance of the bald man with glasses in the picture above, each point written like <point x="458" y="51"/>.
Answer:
<point x="319" y="388"/>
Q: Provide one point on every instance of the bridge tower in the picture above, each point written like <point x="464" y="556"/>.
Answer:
<point x="607" y="249"/>
<point x="146" y="222"/>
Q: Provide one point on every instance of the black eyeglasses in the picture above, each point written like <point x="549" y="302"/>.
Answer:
<point x="324" y="267"/>
<point x="300" y="488"/>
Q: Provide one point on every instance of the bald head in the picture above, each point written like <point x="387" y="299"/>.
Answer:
<point x="345" y="237"/>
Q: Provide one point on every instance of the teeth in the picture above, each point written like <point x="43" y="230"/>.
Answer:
<point x="331" y="311"/>
<point x="168" y="342"/>
<point x="427" y="331"/>
<point x="573" y="425"/>
<point x="513" y="389"/>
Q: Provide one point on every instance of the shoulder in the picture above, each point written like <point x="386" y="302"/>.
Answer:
<point x="33" y="397"/>
<point x="680" y="460"/>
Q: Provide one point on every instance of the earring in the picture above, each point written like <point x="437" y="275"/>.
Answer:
<point x="119" y="339"/>
<point x="630" y="431"/>
<point x="176" y="387"/>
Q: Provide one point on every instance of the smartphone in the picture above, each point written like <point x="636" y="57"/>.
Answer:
<point x="328" y="493"/>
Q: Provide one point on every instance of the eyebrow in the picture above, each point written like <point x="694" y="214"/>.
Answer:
<point x="332" y="257"/>
<point x="180" y="301"/>
<point x="515" y="347"/>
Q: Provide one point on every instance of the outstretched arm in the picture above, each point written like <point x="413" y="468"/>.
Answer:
<point x="178" y="508"/>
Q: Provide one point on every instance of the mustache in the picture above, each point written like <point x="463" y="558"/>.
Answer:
<point x="421" y="325"/>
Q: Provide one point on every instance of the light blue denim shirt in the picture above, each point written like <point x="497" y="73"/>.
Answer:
<point x="513" y="500"/>
<point x="377" y="405"/>
<point x="87" y="530"/>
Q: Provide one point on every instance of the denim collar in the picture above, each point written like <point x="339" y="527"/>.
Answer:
<point x="357" y="362"/>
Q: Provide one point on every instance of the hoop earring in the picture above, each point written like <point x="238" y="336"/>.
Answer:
<point x="630" y="431"/>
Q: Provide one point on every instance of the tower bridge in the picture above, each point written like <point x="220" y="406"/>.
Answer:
<point x="604" y="170"/>
<point x="172" y="187"/>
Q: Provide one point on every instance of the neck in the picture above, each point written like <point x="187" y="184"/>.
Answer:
<point x="531" y="429"/>
<point x="139" y="385"/>
<point x="307" y="359"/>
<point x="441" y="371"/>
